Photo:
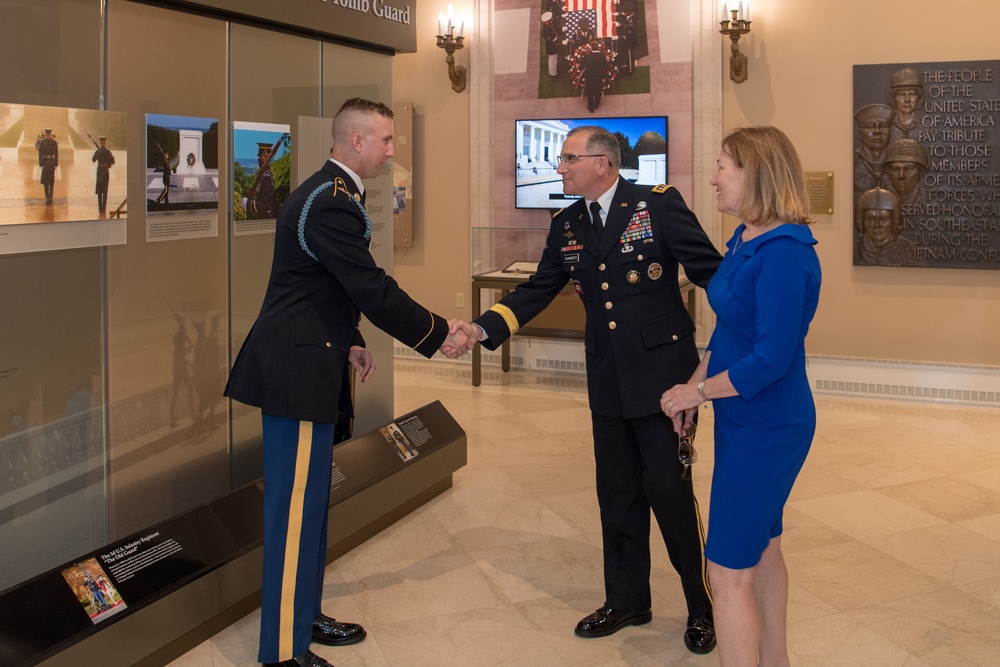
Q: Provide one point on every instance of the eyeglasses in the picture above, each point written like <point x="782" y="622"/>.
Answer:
<point x="573" y="158"/>
<point x="686" y="453"/>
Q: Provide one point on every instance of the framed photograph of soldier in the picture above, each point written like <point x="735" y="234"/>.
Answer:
<point x="261" y="175"/>
<point x="62" y="178"/>
<point x="926" y="176"/>
<point x="182" y="177"/>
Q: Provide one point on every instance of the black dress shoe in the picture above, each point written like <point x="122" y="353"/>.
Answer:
<point x="328" y="631"/>
<point x="607" y="621"/>
<point x="307" y="659"/>
<point x="700" y="634"/>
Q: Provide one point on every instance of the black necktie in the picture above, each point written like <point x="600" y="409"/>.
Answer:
<point x="595" y="215"/>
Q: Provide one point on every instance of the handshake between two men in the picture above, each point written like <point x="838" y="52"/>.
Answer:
<point x="462" y="337"/>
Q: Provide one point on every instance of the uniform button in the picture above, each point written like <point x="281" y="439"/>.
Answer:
<point x="572" y="268"/>
<point x="604" y="286"/>
<point x="674" y="336"/>
<point x="601" y="266"/>
<point x="328" y="344"/>
<point x="608" y="306"/>
<point x="612" y="325"/>
<point x="639" y="257"/>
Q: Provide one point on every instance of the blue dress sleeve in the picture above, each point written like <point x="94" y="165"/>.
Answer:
<point x="781" y="285"/>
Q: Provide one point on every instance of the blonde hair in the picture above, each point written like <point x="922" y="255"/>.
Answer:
<point x="773" y="183"/>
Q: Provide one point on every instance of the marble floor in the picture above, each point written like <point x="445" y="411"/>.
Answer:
<point x="892" y="539"/>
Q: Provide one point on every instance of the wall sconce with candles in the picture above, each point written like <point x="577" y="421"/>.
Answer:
<point x="736" y="26"/>
<point x="451" y="41"/>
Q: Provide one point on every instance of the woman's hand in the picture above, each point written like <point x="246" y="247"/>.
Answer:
<point x="680" y="403"/>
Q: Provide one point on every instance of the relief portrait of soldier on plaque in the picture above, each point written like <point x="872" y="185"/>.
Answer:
<point x="877" y="223"/>
<point x="873" y="123"/>
<point x="905" y="165"/>
<point x="926" y="181"/>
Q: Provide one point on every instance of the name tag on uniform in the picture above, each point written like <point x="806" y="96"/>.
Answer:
<point x="571" y="258"/>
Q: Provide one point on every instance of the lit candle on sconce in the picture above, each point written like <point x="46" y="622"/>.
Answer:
<point x="734" y="24"/>
<point x="451" y="38"/>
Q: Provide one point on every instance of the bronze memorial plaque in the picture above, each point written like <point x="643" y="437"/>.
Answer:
<point x="819" y="185"/>
<point x="926" y="188"/>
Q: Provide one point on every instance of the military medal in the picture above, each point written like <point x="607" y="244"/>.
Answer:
<point x="628" y="247"/>
<point x="641" y="205"/>
<point x="654" y="271"/>
<point x="632" y="277"/>
<point x="639" y="228"/>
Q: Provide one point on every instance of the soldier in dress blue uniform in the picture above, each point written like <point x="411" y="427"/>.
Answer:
<point x="621" y="244"/>
<point x="104" y="159"/>
<point x="259" y="205"/>
<point x="294" y="365"/>
<point x="48" y="160"/>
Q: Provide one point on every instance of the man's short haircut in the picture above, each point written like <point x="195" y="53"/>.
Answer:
<point x="600" y="142"/>
<point x="364" y="107"/>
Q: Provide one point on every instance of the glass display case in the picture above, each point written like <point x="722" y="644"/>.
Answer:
<point x="496" y="248"/>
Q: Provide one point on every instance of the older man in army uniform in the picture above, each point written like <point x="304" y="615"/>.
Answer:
<point x="48" y="160"/>
<point x="620" y="244"/>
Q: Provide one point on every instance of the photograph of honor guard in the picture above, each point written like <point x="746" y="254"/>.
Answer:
<point x="295" y="363"/>
<point x="164" y="196"/>
<point x="639" y="342"/>
<point x="48" y="160"/>
<point x="105" y="160"/>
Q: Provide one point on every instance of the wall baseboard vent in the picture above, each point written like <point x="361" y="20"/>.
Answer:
<point x="905" y="380"/>
<point x="958" y="384"/>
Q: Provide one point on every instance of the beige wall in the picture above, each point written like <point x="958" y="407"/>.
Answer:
<point x="801" y="64"/>
<point x="801" y="58"/>
<point x="438" y="265"/>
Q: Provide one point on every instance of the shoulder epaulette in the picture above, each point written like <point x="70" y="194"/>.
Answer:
<point x="661" y="188"/>
<point x="556" y="214"/>
<point x="340" y="185"/>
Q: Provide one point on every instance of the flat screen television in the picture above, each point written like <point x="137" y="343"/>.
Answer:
<point x="537" y="142"/>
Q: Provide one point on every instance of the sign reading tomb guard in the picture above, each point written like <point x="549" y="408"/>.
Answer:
<point x="388" y="24"/>
<point x="926" y="172"/>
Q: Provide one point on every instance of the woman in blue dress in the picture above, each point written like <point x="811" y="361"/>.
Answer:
<point x="764" y="296"/>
